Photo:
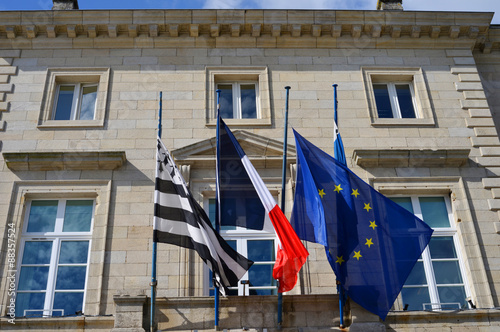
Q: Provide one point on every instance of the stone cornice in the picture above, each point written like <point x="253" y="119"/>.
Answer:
<point x="460" y="29"/>
<point x="411" y="158"/>
<point x="56" y="161"/>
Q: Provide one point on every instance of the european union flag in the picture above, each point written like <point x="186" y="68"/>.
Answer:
<point x="373" y="241"/>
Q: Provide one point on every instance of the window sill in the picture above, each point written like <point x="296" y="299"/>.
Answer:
<point x="403" y="122"/>
<point x="72" y="124"/>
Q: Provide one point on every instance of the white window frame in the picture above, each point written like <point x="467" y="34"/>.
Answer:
<point x="241" y="235"/>
<point x="77" y="99"/>
<point x="239" y="74"/>
<point x="435" y="303"/>
<point x="57" y="237"/>
<point x="57" y="77"/>
<point x="236" y="91"/>
<point x="424" y="115"/>
<point x="393" y="97"/>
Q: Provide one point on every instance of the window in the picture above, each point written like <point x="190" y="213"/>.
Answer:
<point x="437" y="281"/>
<point x="258" y="246"/>
<point x="75" y="98"/>
<point x="238" y="100"/>
<point x="395" y="100"/>
<point x="244" y="99"/>
<point x="54" y="257"/>
<point x="397" y="97"/>
<point x="75" y="102"/>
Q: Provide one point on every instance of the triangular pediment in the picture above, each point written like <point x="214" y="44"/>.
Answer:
<point x="262" y="151"/>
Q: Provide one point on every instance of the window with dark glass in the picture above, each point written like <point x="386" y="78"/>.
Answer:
<point x="54" y="257"/>
<point x="437" y="280"/>
<point x="394" y="100"/>
<point x="238" y="100"/>
<point x="259" y="246"/>
<point x="75" y="101"/>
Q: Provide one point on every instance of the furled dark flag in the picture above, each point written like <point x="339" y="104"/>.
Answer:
<point x="373" y="241"/>
<point x="238" y="180"/>
<point x="180" y="220"/>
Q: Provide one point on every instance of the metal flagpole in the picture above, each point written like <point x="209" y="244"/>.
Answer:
<point x="217" y="201"/>
<point x="153" y="269"/>
<point x="340" y="289"/>
<point x="283" y="184"/>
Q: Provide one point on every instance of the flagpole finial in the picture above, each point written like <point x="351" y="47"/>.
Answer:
<point x="287" y="87"/>
<point x="335" y="85"/>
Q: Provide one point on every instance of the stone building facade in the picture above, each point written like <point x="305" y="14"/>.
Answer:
<point x="79" y="99"/>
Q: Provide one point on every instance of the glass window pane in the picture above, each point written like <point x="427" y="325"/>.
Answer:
<point x="71" y="277"/>
<point x="414" y="297"/>
<point x="450" y="295"/>
<point x="71" y="303"/>
<point x="261" y="275"/>
<point x="64" y="102"/>
<point x="248" y="101"/>
<point x="87" y="107"/>
<point x="226" y="100"/>
<point x="211" y="211"/>
<point x="434" y="211"/>
<point x="29" y="301"/>
<point x="417" y="275"/>
<point x="404" y="202"/>
<point x="260" y="250"/>
<point x="442" y="247"/>
<point x="447" y="272"/>
<point x="382" y="100"/>
<point x="78" y="216"/>
<point x="42" y="216"/>
<point x="37" y="252"/>
<point x="74" y="252"/>
<point x="405" y="101"/>
<point x="33" y="278"/>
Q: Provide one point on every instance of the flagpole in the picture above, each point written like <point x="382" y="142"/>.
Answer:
<point x="283" y="185"/>
<point x="217" y="202"/>
<point x="340" y="289"/>
<point x="153" y="269"/>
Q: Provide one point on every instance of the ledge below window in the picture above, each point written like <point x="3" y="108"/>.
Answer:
<point x="411" y="158"/>
<point x="57" y="161"/>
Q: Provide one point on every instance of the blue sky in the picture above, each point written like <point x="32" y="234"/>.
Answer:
<point x="425" y="5"/>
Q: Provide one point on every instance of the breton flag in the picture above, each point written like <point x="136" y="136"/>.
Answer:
<point x="180" y="220"/>
<point x="373" y="242"/>
<point x="238" y="179"/>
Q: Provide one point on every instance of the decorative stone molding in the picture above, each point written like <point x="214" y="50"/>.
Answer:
<point x="411" y="158"/>
<point x="469" y="30"/>
<point x="56" y="161"/>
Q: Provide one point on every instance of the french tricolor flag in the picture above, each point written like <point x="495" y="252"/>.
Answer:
<point x="237" y="179"/>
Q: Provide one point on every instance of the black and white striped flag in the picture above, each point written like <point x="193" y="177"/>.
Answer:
<point x="180" y="220"/>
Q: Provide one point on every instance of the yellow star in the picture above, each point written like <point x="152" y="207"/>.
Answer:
<point x="321" y="192"/>
<point x="357" y="254"/>
<point x="373" y="225"/>
<point x="355" y="193"/>
<point x="338" y="189"/>
<point x="340" y="260"/>
<point x="368" y="242"/>
<point x="367" y="207"/>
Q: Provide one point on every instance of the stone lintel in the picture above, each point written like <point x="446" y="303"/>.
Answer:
<point x="56" y="161"/>
<point x="411" y="158"/>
